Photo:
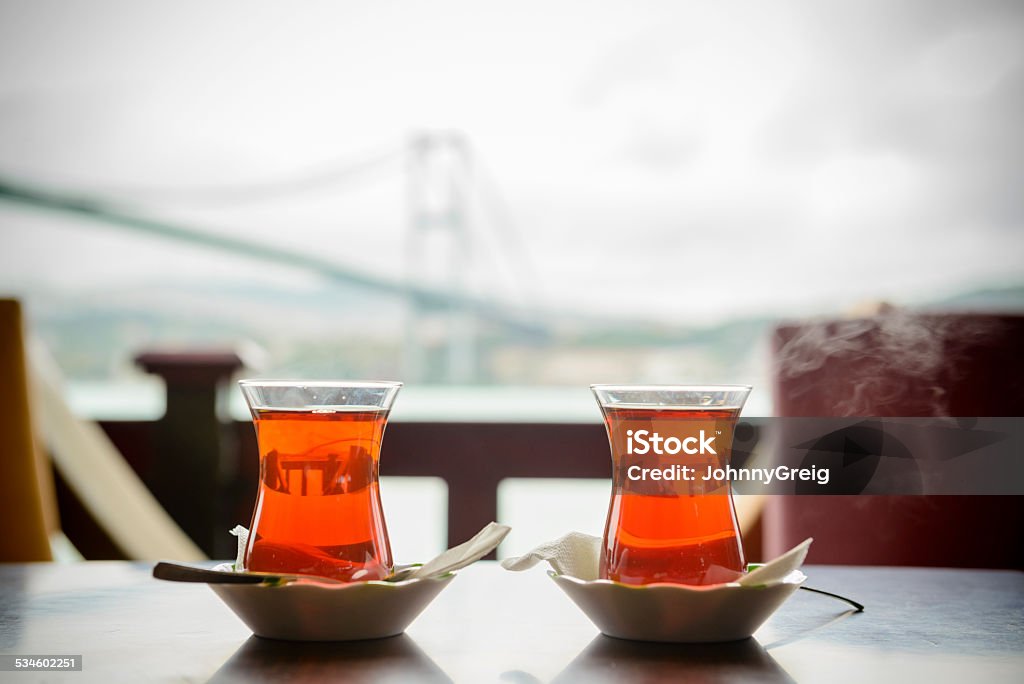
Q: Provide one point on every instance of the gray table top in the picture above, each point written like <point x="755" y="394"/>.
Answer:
<point x="494" y="626"/>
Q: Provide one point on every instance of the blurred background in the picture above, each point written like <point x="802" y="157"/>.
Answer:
<point x="496" y="204"/>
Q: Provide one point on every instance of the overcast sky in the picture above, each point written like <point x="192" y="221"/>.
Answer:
<point x="689" y="161"/>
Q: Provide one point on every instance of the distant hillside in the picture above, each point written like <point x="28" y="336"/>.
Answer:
<point x="345" y="330"/>
<point x="1005" y="300"/>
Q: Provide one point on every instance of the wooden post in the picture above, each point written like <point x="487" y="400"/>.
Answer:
<point x="190" y="465"/>
<point x="24" y="535"/>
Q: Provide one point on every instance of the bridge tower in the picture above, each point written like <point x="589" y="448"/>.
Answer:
<point x="438" y="254"/>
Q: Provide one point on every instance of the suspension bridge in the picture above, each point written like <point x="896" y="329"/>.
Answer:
<point x="443" y="179"/>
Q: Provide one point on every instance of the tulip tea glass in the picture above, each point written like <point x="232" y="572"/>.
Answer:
<point x="318" y="509"/>
<point x="666" y="521"/>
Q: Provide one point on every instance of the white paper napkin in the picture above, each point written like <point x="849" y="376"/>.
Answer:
<point x="243" y="538"/>
<point x="467" y="553"/>
<point x="574" y="554"/>
<point x="775" y="570"/>
<point x="578" y="555"/>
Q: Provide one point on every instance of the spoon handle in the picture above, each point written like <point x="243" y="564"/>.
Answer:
<point x="176" y="572"/>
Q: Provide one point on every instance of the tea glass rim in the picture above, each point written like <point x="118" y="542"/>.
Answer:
<point x="263" y="395"/>
<point x="382" y="384"/>
<point x="670" y="387"/>
<point x="662" y="397"/>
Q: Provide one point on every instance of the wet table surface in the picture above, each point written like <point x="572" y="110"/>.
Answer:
<point x="493" y="626"/>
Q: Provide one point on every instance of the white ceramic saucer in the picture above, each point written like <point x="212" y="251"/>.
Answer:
<point x="675" y="613"/>
<point x="678" y="613"/>
<point x="311" y="611"/>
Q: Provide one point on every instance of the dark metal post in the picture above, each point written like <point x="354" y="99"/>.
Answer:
<point x="191" y="460"/>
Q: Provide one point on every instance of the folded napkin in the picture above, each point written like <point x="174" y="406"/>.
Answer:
<point x="574" y="554"/>
<point x="243" y="538"/>
<point x="774" y="571"/>
<point x="466" y="553"/>
<point x="578" y="555"/>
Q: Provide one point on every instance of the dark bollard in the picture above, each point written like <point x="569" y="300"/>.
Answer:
<point x="193" y="453"/>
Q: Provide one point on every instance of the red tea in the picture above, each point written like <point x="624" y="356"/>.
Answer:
<point x="682" y="532"/>
<point x="318" y="510"/>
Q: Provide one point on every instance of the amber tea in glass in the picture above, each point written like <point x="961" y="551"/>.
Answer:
<point x="318" y="509"/>
<point x="666" y="523"/>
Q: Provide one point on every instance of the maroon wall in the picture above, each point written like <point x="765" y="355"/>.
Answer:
<point x="901" y="365"/>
